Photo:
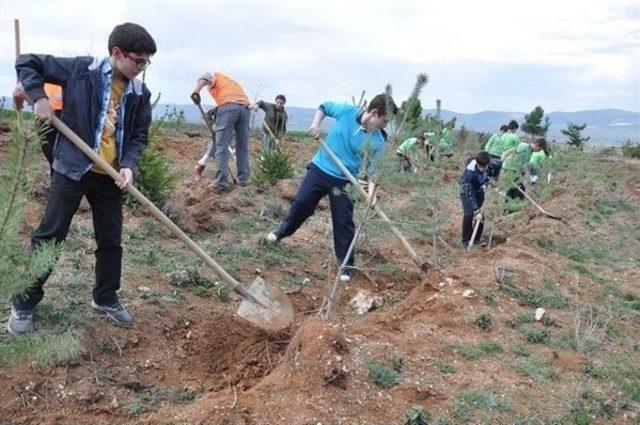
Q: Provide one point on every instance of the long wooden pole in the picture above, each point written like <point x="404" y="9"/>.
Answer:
<point x="542" y="210"/>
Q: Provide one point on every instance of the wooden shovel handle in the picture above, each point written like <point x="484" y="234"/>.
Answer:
<point x="155" y="211"/>
<point x="414" y="257"/>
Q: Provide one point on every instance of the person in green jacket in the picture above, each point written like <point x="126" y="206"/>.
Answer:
<point x="408" y="152"/>
<point x="428" y="145"/>
<point x="510" y="139"/>
<point x="538" y="160"/>
<point x="514" y="161"/>
<point x="446" y="142"/>
<point x="494" y="149"/>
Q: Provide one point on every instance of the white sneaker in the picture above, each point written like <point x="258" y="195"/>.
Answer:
<point x="345" y="277"/>
<point x="272" y="238"/>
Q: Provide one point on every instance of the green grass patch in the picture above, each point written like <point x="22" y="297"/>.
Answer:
<point x="41" y="349"/>
<point x="536" y="335"/>
<point x="469" y="402"/>
<point x="150" y="399"/>
<point x="476" y="352"/>
<point x="385" y="376"/>
<point x="534" y="367"/>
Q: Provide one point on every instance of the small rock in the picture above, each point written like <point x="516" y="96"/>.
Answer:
<point x="468" y="293"/>
<point x="364" y="301"/>
<point x="258" y="271"/>
<point x="114" y="403"/>
<point x="144" y="289"/>
<point x="539" y="313"/>
<point x="189" y="335"/>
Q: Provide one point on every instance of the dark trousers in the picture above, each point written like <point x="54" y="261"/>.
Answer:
<point x="514" y="193"/>
<point x="467" y="219"/>
<point x="494" y="167"/>
<point x="430" y="152"/>
<point x="232" y="119"/>
<point x="405" y="162"/>
<point x="315" y="185"/>
<point x="63" y="201"/>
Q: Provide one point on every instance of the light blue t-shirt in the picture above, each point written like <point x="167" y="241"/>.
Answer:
<point x="347" y="139"/>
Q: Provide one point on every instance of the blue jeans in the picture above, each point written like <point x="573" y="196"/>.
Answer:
<point x="232" y="118"/>
<point x="315" y="185"/>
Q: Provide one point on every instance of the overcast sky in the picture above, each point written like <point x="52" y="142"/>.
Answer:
<point x="483" y="55"/>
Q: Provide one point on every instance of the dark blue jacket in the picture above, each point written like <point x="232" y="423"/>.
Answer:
<point x="471" y="187"/>
<point x="83" y="98"/>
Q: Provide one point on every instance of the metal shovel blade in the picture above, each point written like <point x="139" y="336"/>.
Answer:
<point x="275" y="314"/>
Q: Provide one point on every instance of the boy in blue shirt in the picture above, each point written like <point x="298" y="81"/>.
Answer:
<point x="354" y="132"/>
<point x="472" y="182"/>
<point x="108" y="108"/>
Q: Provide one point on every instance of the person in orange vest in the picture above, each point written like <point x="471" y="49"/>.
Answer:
<point x="233" y="116"/>
<point x="54" y="93"/>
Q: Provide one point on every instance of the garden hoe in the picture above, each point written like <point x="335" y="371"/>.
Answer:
<point x="422" y="265"/>
<point x="542" y="210"/>
<point x="263" y="304"/>
<point x="213" y="136"/>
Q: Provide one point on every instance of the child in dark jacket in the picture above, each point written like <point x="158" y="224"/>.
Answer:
<point x="108" y="108"/>
<point x="472" y="182"/>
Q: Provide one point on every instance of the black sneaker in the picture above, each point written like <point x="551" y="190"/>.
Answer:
<point x="115" y="312"/>
<point x="480" y="242"/>
<point x="20" y="321"/>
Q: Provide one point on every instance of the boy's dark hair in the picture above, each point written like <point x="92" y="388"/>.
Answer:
<point x="483" y="159"/>
<point x="380" y="102"/>
<point x="504" y="128"/>
<point x="513" y="125"/>
<point x="421" y="137"/>
<point x="132" y="38"/>
<point x="281" y="96"/>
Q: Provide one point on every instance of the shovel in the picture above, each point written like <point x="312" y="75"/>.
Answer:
<point x="213" y="136"/>
<point x="542" y="210"/>
<point x="273" y="136"/>
<point x="422" y="265"/>
<point x="263" y="305"/>
<point x="473" y="235"/>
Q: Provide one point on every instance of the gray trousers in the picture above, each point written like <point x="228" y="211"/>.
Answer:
<point x="232" y="118"/>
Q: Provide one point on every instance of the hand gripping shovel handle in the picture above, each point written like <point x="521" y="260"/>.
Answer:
<point x="414" y="257"/>
<point x="237" y="286"/>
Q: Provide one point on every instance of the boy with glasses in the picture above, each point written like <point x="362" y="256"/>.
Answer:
<point x="108" y="108"/>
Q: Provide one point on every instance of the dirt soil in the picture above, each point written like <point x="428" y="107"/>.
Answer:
<point x="316" y="371"/>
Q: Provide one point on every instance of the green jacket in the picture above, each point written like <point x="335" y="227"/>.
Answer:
<point x="517" y="160"/>
<point x="446" y="141"/>
<point x="494" y="145"/>
<point x="409" y="146"/>
<point x="507" y="141"/>
<point x="538" y="157"/>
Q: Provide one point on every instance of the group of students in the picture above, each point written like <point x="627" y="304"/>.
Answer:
<point x="109" y="108"/>
<point x="231" y="118"/>
<point x="104" y="104"/>
<point x="504" y="157"/>
<point x="408" y="150"/>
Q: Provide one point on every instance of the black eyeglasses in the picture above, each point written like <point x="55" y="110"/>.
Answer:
<point x="140" y="62"/>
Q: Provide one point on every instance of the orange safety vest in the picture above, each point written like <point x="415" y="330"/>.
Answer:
<point x="225" y="90"/>
<point x="54" y="93"/>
